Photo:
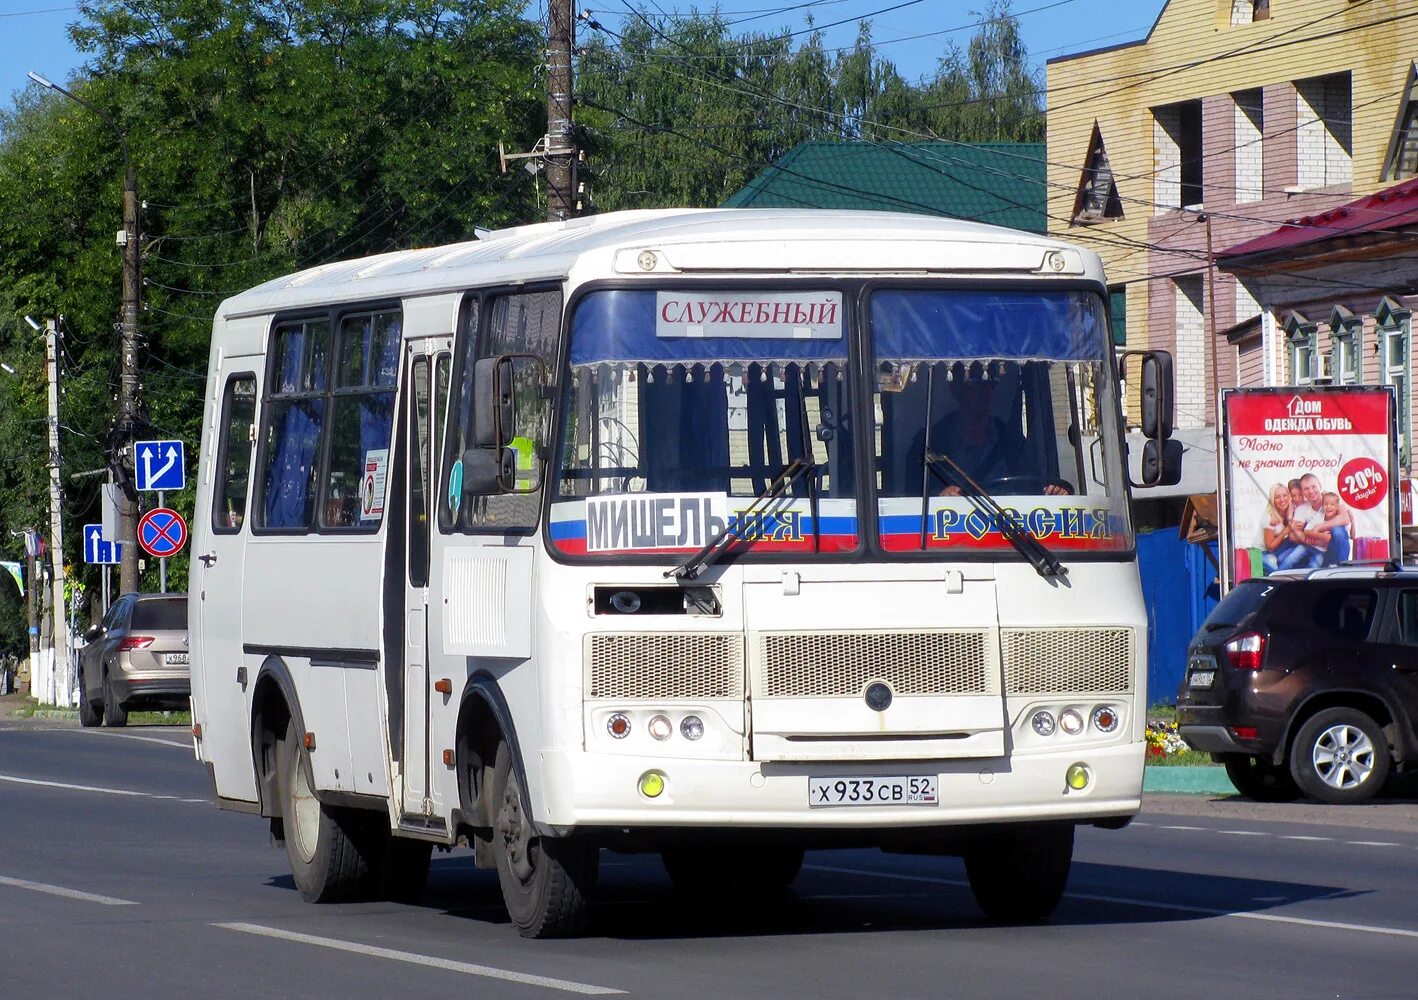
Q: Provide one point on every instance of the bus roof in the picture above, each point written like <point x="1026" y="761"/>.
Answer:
<point x="550" y="250"/>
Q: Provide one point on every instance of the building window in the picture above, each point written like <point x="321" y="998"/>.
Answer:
<point x="1395" y="346"/>
<point x="1402" y="160"/>
<point x="1118" y="314"/>
<point x="1302" y="345"/>
<point x="1249" y="128"/>
<point x="1249" y="11"/>
<point x="1097" y="190"/>
<point x="1323" y="131"/>
<point x="1176" y="138"/>
<point x="1346" y="357"/>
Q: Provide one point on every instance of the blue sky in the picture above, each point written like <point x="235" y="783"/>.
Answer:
<point x="33" y="35"/>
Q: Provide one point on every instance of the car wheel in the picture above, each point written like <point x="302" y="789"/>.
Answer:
<point x="89" y="715"/>
<point x="114" y="714"/>
<point x="547" y="882"/>
<point x="756" y="871"/>
<point x="1340" y="755"/>
<point x="1018" y="874"/>
<point x="1261" y="780"/>
<point x="329" y="848"/>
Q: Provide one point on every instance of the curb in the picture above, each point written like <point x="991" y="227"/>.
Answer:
<point x="1205" y="780"/>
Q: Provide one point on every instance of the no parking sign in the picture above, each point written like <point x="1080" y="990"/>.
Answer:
<point x="162" y="532"/>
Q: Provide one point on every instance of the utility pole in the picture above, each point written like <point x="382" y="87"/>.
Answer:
<point x="561" y="137"/>
<point x="63" y="678"/>
<point x="132" y="239"/>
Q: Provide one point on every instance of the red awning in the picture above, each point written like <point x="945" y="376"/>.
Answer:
<point x="1388" y="210"/>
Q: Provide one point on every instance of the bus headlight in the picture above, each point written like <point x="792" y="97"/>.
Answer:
<point x="691" y="727"/>
<point x="1071" y="722"/>
<point x="618" y="725"/>
<point x="1043" y="723"/>
<point x="660" y="727"/>
<point x="1105" y="719"/>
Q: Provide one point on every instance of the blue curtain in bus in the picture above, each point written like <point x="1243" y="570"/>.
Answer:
<point x="619" y="325"/>
<point x="289" y="469"/>
<point x="685" y="443"/>
<point x="910" y="325"/>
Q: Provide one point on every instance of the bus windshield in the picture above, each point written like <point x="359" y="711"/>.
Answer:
<point x="1001" y="393"/>
<point x="683" y="407"/>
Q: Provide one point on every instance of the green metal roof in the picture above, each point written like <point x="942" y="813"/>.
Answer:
<point x="1001" y="183"/>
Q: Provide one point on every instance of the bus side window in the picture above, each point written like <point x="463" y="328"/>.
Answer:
<point x="361" y="421"/>
<point x="292" y="419"/>
<point x="457" y="435"/>
<point x="234" y="454"/>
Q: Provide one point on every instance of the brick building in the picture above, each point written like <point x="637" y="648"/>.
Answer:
<point x="1232" y="118"/>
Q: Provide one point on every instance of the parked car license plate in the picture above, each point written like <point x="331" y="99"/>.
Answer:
<point x="175" y="659"/>
<point x="908" y="791"/>
<point x="1203" y="678"/>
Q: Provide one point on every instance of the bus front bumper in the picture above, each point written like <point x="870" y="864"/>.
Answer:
<point x="598" y="790"/>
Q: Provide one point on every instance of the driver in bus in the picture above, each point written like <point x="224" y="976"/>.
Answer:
<point x="991" y="449"/>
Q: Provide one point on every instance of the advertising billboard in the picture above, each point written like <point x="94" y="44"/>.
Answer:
<point x="1309" y="478"/>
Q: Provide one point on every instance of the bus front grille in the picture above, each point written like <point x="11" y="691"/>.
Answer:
<point x="1067" y="660"/>
<point x="840" y="664"/>
<point x="667" y="665"/>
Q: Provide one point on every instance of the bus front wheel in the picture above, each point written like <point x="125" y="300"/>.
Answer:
<point x="1018" y="873"/>
<point x="328" y="847"/>
<point x="547" y="882"/>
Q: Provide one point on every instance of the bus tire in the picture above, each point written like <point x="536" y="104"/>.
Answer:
<point x="114" y="714"/>
<point x="1018" y="873"/>
<point x="547" y="882"/>
<point x="761" y="870"/>
<point x="328" y="847"/>
<point x="402" y="869"/>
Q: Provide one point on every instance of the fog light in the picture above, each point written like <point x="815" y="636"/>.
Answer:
<point x="1044" y="724"/>
<point x="652" y="783"/>
<point x="691" y="727"/>
<point x="618" y="725"/>
<point x="627" y="602"/>
<point x="660" y="727"/>
<point x="1105" y="720"/>
<point x="1077" y="777"/>
<point x="1071" y="722"/>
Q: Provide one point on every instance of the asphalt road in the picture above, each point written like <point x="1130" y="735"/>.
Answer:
<point x="119" y="879"/>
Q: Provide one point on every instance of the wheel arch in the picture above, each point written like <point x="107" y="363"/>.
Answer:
<point x="484" y="718"/>
<point x="1370" y="703"/>
<point x="274" y="705"/>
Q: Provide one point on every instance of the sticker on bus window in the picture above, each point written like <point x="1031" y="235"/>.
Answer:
<point x="371" y="489"/>
<point x="686" y="522"/>
<point x="455" y="487"/>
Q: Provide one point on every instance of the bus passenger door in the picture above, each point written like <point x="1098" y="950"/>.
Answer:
<point x="424" y="404"/>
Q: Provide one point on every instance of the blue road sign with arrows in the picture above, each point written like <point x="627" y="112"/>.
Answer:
<point x="99" y="550"/>
<point x="160" y="465"/>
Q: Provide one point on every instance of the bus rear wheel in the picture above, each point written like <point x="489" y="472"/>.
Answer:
<point x="547" y="882"/>
<point x="329" y="848"/>
<point x="1018" y="873"/>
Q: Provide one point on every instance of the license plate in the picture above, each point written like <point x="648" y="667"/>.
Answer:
<point x="176" y="659"/>
<point x="912" y="791"/>
<point x="1203" y="678"/>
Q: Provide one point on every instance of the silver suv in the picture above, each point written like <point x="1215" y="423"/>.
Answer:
<point x="135" y="658"/>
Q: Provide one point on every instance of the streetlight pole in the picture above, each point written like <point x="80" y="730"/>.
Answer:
<point x="130" y="239"/>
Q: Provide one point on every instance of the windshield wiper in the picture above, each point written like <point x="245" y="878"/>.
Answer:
<point x="1045" y="563"/>
<point x="729" y="533"/>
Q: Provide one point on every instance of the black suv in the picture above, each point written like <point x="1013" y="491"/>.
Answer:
<point x="1307" y="682"/>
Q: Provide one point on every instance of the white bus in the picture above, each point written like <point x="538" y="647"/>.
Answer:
<point x="722" y="534"/>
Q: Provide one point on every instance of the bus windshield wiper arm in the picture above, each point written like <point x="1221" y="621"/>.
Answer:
<point x="1043" y="560"/>
<point x="729" y="533"/>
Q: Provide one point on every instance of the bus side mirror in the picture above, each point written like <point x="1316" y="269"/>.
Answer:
<point x="1161" y="463"/>
<point x="488" y="471"/>
<point x="1157" y="395"/>
<point x="494" y="407"/>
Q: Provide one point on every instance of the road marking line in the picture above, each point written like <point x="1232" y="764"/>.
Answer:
<point x="1165" y="827"/>
<point x="1244" y="833"/>
<point x="59" y="890"/>
<point x="1296" y="836"/>
<point x="1372" y="843"/>
<point x="94" y="788"/>
<point x="129" y="736"/>
<point x="1151" y="904"/>
<point x="429" y="961"/>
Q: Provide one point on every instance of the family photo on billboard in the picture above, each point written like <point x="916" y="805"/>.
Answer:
<point x="1308" y="478"/>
